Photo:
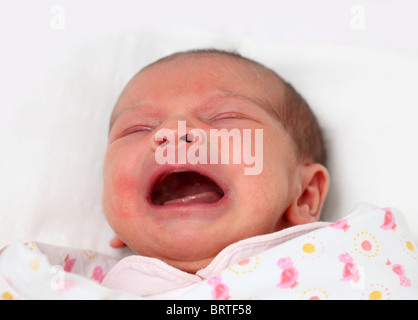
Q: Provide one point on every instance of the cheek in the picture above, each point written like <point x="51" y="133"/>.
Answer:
<point x="120" y="182"/>
<point x="270" y="190"/>
<point x="120" y="185"/>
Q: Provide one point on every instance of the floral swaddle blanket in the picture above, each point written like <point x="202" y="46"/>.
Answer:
<point x="369" y="255"/>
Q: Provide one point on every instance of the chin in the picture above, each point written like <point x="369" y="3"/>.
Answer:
<point x="190" y="252"/>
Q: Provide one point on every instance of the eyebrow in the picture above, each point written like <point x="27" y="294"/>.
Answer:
<point x="220" y="93"/>
<point x="115" y="116"/>
<point x="244" y="97"/>
<point x="263" y="104"/>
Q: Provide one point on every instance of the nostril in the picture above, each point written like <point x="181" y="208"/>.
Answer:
<point x="188" y="137"/>
<point x="156" y="143"/>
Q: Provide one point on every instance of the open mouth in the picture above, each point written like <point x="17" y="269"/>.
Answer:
<point x="184" y="188"/>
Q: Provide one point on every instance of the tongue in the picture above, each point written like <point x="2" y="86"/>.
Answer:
<point x="204" y="197"/>
<point x="185" y="188"/>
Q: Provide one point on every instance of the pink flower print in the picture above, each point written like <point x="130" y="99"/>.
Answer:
<point x="289" y="276"/>
<point x="342" y="224"/>
<point x="221" y="290"/>
<point x="69" y="263"/>
<point x="98" y="274"/>
<point x="350" y="271"/>
<point x="400" y="271"/>
<point x="389" y="221"/>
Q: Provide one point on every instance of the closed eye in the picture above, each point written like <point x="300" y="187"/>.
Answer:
<point x="230" y="115"/>
<point x="135" y="129"/>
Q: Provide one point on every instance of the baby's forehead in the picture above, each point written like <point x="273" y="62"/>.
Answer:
<point x="249" y="78"/>
<point x="242" y="69"/>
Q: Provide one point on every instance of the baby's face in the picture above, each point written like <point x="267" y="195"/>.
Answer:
<point x="184" y="214"/>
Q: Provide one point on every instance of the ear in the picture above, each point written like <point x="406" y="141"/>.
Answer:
<point x="311" y="194"/>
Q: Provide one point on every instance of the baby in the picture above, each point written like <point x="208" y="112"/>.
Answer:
<point x="203" y="222"/>
<point x="158" y="210"/>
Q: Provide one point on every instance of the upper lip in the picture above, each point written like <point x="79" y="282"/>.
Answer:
<point x="168" y="169"/>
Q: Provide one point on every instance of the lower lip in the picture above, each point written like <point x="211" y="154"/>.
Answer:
<point x="192" y="209"/>
<point x="204" y="197"/>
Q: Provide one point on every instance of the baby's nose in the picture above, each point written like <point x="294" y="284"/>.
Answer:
<point x="173" y="135"/>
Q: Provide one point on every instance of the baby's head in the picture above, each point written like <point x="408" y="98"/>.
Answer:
<point x="185" y="213"/>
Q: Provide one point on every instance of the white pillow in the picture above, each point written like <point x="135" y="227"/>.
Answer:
<point x="54" y="138"/>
